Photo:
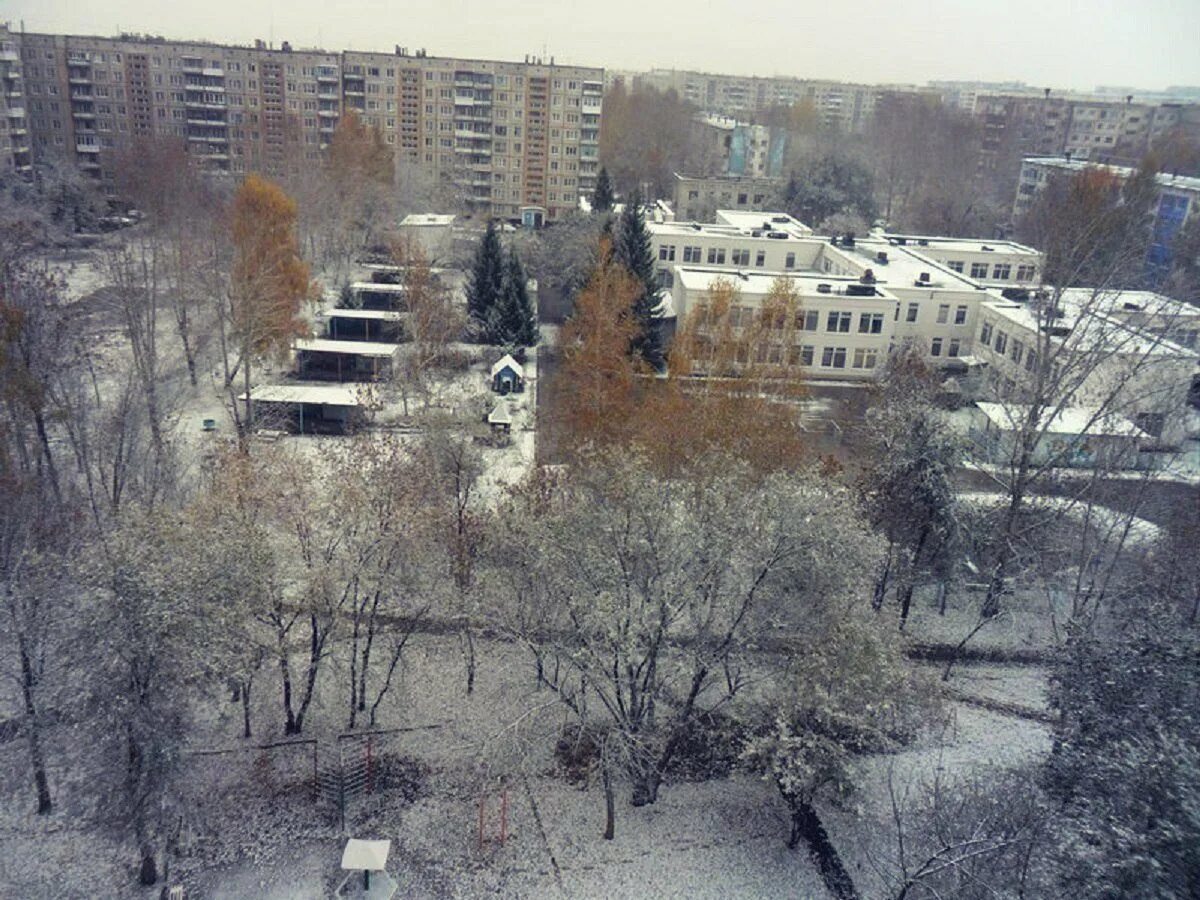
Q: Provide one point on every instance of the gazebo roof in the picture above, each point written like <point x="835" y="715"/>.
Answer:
<point x="507" y="360"/>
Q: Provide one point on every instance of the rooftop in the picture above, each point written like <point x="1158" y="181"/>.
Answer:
<point x="747" y="219"/>
<point x="1164" y="179"/>
<point x="1067" y="420"/>
<point x="320" y="394"/>
<point x="922" y="242"/>
<point x="426" y="219"/>
<point x="756" y="283"/>
<point x="350" y="348"/>
<point x="379" y="315"/>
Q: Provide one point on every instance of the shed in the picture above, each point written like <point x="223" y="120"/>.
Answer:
<point x="508" y="375"/>
<point x="331" y="360"/>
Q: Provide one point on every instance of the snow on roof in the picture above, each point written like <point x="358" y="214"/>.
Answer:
<point x="500" y="415"/>
<point x="350" y="348"/>
<point x="779" y="221"/>
<point x="1068" y="420"/>
<point x="382" y="315"/>
<point x="507" y="360"/>
<point x="360" y="286"/>
<point x="369" y="855"/>
<point x="758" y="283"/>
<point x="320" y="394"/>
<point x="426" y="219"/>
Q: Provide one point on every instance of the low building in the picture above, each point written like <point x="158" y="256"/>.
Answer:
<point x="433" y="234"/>
<point x="841" y="327"/>
<point x="698" y="197"/>
<point x="1096" y="353"/>
<point x="1070" y="436"/>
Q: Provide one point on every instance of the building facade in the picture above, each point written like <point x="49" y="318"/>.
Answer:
<point x="505" y="135"/>
<point x="1177" y="200"/>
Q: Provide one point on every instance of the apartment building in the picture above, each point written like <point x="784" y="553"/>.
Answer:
<point x="840" y="105"/>
<point x="727" y="146"/>
<point x="1178" y="198"/>
<point x="1103" y="129"/>
<point x="505" y="135"/>
<point x="15" y="154"/>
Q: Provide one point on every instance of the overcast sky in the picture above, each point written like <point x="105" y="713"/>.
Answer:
<point x="1058" y="43"/>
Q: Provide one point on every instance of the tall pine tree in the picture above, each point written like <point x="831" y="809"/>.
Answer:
<point x="602" y="196"/>
<point x="487" y="277"/>
<point x="512" y="321"/>
<point x="632" y="250"/>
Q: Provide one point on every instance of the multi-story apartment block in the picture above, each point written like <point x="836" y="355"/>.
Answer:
<point x="841" y="105"/>
<point x="505" y="135"/>
<point x="726" y="146"/>
<point x="15" y="155"/>
<point x="1178" y="198"/>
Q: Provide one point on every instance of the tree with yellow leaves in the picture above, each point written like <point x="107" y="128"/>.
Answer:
<point x="269" y="281"/>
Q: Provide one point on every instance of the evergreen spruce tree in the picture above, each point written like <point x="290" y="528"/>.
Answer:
<point x="487" y="277"/>
<point x="602" y="196"/>
<point x="632" y="250"/>
<point x="512" y="321"/>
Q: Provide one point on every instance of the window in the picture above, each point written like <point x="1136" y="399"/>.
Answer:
<point x="806" y="355"/>
<point x="979" y="270"/>
<point x="1001" y="342"/>
<point x="1002" y="271"/>
<point x="985" y="333"/>
<point x="935" y="347"/>
<point x="666" y="253"/>
<point x="808" y="319"/>
<point x="740" y="257"/>
<point x="955" y="266"/>
<point x="911" y="315"/>
<point x="1026" y="273"/>
<point x="833" y="357"/>
<point x="790" y="261"/>
<point x="666" y="278"/>
<point x="960" y="315"/>
<point x="1017" y="351"/>
<point x="716" y="256"/>
<point x="691" y="254"/>
<point x="741" y="199"/>
<point x="870" y="323"/>
<point x="1031" y="361"/>
<point x="943" y="315"/>
<point x="760" y="258"/>
<point x="865" y="359"/>
<point x="953" y="348"/>
<point x="838" y="321"/>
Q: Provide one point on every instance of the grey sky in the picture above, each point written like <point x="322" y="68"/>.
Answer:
<point x="1060" y="43"/>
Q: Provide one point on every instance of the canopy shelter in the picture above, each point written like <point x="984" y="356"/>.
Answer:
<point x="368" y="879"/>
<point x="372" y="295"/>
<point x="332" y="360"/>
<point x="500" y="418"/>
<point x="309" y="408"/>
<point x="1067" y="436"/>
<point x="379" y="325"/>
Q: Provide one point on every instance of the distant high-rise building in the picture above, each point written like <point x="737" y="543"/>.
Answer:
<point x="506" y="135"/>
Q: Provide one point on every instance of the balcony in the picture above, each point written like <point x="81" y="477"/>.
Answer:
<point x="327" y="113"/>
<point x="79" y="79"/>
<point x="87" y="148"/>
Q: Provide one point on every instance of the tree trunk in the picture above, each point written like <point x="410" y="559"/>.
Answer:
<point x="610" y="804"/>
<point x="290" y="725"/>
<point x="36" y="757"/>
<point x="905" y="603"/>
<point x="806" y="825"/>
<point x="245" y="686"/>
<point x="469" y="654"/>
